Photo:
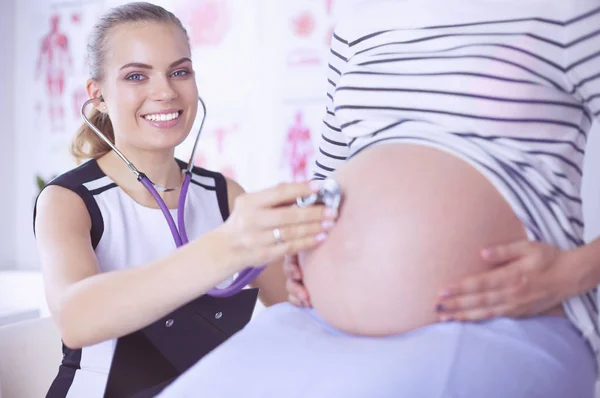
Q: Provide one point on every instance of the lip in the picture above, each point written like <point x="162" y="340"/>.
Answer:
<point x="167" y="124"/>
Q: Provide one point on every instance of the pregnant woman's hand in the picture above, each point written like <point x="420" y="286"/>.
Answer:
<point x="297" y="293"/>
<point x="529" y="278"/>
<point x="263" y="227"/>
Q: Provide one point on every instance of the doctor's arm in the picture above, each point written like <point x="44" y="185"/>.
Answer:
<point x="90" y="306"/>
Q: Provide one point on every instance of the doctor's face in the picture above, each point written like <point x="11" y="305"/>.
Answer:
<point x="148" y="86"/>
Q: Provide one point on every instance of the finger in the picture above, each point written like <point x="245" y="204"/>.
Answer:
<point x="294" y="300"/>
<point x="297" y="290"/>
<point x="292" y="272"/>
<point x="307" y="303"/>
<point x="505" y="253"/>
<point x="496" y="279"/>
<point x="291" y="268"/>
<point x="473" y="301"/>
<point x="295" y="215"/>
<point x="278" y="251"/>
<point x="293" y="233"/>
<point x="283" y="194"/>
<point x="479" y="314"/>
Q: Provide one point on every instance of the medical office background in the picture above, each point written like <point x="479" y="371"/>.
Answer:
<point x="261" y="69"/>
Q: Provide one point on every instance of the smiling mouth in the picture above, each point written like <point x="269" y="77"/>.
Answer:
<point x="162" y="117"/>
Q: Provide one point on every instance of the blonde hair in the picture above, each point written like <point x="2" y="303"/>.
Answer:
<point x="86" y="144"/>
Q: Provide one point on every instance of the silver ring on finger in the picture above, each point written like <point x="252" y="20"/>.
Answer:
<point x="277" y="236"/>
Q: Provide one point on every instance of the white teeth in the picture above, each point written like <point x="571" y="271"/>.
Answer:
<point x="163" y="117"/>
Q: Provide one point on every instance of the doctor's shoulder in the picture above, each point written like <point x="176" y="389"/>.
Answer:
<point x="63" y="201"/>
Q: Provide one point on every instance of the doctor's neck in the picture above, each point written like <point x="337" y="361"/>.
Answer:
<point x="159" y="166"/>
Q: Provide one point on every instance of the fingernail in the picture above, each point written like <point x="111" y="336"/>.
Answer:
<point x="446" y="318"/>
<point x="315" y="185"/>
<point x="327" y="225"/>
<point x="321" y="237"/>
<point x="440" y="308"/>
<point x="330" y="213"/>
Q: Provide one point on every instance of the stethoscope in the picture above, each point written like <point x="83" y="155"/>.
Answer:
<point x="179" y="234"/>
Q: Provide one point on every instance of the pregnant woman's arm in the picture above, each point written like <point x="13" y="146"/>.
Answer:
<point x="333" y="145"/>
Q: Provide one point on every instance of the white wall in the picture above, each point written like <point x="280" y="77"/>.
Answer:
<point x="8" y="196"/>
<point x="27" y="130"/>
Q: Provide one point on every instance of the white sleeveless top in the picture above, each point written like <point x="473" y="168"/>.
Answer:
<point x="126" y="234"/>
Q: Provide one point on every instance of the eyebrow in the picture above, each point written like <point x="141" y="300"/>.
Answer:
<point x="146" y="66"/>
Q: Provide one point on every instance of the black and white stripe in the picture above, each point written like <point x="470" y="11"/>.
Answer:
<point x="510" y="87"/>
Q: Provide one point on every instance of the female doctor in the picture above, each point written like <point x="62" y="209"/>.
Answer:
<point x="112" y="273"/>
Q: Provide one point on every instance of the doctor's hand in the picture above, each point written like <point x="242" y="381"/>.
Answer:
<point x="528" y="279"/>
<point x="297" y="293"/>
<point x="265" y="226"/>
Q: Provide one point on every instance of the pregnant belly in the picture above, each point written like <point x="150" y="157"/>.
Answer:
<point x="413" y="219"/>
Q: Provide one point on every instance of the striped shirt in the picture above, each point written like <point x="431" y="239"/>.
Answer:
<point x="512" y="87"/>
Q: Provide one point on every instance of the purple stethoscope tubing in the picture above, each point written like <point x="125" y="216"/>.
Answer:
<point x="179" y="234"/>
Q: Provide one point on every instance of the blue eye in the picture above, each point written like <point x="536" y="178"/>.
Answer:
<point x="135" y="77"/>
<point x="180" y="73"/>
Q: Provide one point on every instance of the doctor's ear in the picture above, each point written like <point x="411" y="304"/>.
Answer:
<point x="92" y="88"/>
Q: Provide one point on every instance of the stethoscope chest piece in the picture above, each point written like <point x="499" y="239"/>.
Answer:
<point x="329" y="195"/>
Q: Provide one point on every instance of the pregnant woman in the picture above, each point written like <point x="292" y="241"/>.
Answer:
<point x="451" y="127"/>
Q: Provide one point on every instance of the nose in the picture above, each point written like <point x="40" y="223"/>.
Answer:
<point x="162" y="90"/>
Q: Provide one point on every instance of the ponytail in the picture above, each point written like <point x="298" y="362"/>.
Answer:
<point x="86" y="144"/>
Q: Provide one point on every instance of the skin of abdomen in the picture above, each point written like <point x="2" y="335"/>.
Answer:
<point x="413" y="219"/>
